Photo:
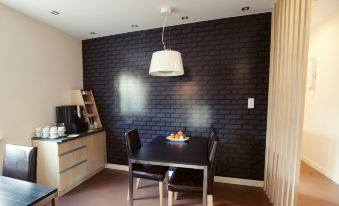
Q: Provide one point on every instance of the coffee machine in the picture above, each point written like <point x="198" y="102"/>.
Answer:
<point x="73" y="117"/>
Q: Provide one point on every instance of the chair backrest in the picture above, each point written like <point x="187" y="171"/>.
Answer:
<point x="212" y="161"/>
<point x="210" y="140"/>
<point x="133" y="143"/>
<point x="20" y="162"/>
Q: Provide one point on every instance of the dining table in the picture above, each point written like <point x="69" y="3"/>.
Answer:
<point x="162" y="152"/>
<point x="14" y="192"/>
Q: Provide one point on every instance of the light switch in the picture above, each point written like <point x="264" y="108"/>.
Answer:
<point x="250" y="103"/>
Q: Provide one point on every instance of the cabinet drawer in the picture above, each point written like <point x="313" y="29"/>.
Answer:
<point x="71" y="158"/>
<point x="71" y="145"/>
<point x="72" y="176"/>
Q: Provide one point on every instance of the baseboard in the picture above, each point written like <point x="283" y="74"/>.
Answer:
<point x="238" y="181"/>
<point x="117" y="167"/>
<point x="228" y="180"/>
<point x="320" y="169"/>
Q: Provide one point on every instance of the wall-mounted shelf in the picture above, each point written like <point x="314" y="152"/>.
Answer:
<point x="86" y="99"/>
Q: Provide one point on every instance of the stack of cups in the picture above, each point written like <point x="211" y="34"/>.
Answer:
<point x="45" y="132"/>
<point x="61" y="131"/>
<point x="53" y="131"/>
<point x="38" y="132"/>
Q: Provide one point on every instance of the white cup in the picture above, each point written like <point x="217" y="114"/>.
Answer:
<point x="45" y="134"/>
<point x="95" y="125"/>
<point x="38" y="129"/>
<point x="61" y="129"/>
<point x="45" y="129"/>
<point x="61" y="134"/>
<point x="53" y="134"/>
<point x="38" y="134"/>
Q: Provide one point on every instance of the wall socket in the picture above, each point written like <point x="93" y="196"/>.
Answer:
<point x="250" y="103"/>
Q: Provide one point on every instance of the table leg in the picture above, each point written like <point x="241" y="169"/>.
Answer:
<point x="53" y="202"/>
<point x="130" y="184"/>
<point x="204" y="193"/>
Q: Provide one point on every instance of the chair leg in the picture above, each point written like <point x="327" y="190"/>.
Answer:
<point x="176" y="195"/>
<point x="170" y="198"/>
<point x="209" y="200"/>
<point x="161" y="185"/>
<point x="137" y="184"/>
<point x="128" y="194"/>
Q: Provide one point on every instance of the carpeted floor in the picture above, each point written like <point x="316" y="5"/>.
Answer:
<point x="109" y="187"/>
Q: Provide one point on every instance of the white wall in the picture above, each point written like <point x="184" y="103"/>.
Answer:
<point x="39" y="65"/>
<point x="321" y="125"/>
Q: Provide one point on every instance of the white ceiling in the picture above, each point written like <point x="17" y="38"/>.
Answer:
<point x="107" y="17"/>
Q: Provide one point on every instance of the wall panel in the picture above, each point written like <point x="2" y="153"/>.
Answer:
<point x="226" y="61"/>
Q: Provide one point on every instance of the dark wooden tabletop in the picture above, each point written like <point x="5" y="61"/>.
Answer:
<point x="192" y="152"/>
<point x="15" y="192"/>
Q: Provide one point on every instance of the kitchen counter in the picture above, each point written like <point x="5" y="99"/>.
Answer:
<point x="66" y="162"/>
<point x="66" y="139"/>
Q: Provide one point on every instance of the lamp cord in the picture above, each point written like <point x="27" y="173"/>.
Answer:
<point x="163" y="31"/>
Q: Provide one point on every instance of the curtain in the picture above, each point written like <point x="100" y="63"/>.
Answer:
<point x="287" y="87"/>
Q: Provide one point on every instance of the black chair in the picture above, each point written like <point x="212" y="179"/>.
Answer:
<point x="213" y="131"/>
<point x="190" y="180"/>
<point x="20" y="162"/>
<point x="142" y="171"/>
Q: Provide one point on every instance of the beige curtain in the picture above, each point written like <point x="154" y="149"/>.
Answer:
<point x="288" y="71"/>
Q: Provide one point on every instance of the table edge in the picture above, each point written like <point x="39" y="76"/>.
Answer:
<point x="168" y="164"/>
<point x="54" y="192"/>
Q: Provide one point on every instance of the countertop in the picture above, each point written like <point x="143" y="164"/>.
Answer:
<point x="66" y="139"/>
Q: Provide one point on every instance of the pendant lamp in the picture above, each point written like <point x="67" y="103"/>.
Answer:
<point x="167" y="62"/>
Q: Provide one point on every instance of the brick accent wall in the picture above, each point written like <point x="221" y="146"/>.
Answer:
<point x="226" y="61"/>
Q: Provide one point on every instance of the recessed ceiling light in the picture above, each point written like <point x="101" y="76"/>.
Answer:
<point x="134" y="26"/>
<point x="92" y="33"/>
<point x="245" y="8"/>
<point x="184" y="17"/>
<point x="55" y="12"/>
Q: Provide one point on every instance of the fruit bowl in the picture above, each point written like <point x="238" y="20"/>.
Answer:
<point x="177" y="140"/>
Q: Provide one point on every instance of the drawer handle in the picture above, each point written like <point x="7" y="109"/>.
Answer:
<point x="71" y="167"/>
<point x="73" y="150"/>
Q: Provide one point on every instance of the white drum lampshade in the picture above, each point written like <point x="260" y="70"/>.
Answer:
<point x="166" y="63"/>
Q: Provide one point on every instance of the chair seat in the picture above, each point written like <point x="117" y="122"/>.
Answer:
<point x="150" y="172"/>
<point x="186" y="180"/>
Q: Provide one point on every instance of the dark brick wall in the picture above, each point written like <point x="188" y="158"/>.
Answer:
<point x="226" y="61"/>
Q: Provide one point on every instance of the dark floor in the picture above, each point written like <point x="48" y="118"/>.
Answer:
<point x="109" y="187"/>
<point x="315" y="189"/>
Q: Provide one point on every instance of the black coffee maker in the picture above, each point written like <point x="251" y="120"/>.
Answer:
<point x="73" y="118"/>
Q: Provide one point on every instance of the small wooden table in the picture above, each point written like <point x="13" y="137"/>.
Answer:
<point x="191" y="154"/>
<point x="15" y="192"/>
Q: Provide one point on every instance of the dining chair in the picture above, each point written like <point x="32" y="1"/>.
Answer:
<point x="20" y="162"/>
<point x="143" y="171"/>
<point x="191" y="180"/>
<point x="209" y="147"/>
